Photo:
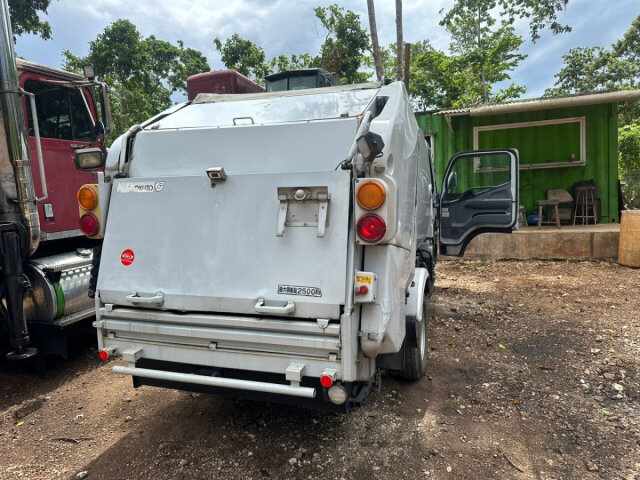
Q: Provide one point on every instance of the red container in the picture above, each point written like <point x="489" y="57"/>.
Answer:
<point x="221" y="81"/>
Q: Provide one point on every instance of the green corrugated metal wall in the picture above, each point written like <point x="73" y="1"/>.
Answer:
<point x="601" y="149"/>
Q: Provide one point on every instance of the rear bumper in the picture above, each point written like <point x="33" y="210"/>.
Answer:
<point x="257" y="344"/>
<point x="233" y="383"/>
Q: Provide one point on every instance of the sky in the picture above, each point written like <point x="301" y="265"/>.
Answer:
<point x="290" y="26"/>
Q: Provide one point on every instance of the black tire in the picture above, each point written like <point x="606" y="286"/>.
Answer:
<point x="415" y="346"/>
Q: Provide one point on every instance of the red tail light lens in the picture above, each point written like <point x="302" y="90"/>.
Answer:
<point x="371" y="227"/>
<point x="89" y="224"/>
<point x="326" y="381"/>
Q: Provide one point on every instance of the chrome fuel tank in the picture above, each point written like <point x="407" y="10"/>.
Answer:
<point x="59" y="288"/>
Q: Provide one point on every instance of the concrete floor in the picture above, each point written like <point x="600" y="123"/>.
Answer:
<point x="579" y="241"/>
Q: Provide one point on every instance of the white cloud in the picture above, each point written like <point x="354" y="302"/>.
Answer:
<point x="290" y="26"/>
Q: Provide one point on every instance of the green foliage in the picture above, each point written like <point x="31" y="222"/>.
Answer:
<point x="588" y="69"/>
<point x="249" y="59"/>
<point x="439" y="80"/>
<point x="282" y="63"/>
<point x="388" y="56"/>
<point x="142" y="73"/>
<point x="489" y="51"/>
<point x="583" y="71"/>
<point x="345" y="45"/>
<point x="343" y="50"/>
<point x="541" y="14"/>
<point x="26" y="19"/>
<point x="484" y="51"/>
<point x="243" y="56"/>
<point x="629" y="162"/>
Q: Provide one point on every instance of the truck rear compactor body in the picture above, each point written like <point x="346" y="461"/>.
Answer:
<point x="282" y="245"/>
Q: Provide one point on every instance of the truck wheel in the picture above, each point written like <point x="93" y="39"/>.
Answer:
<point x="415" y="346"/>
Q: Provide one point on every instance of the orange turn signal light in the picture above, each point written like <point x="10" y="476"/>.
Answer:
<point x="371" y="195"/>
<point x="87" y="198"/>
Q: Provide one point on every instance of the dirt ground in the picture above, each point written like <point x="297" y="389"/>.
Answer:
<point x="533" y="374"/>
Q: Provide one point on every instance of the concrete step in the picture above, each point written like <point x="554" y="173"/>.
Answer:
<point x="590" y="241"/>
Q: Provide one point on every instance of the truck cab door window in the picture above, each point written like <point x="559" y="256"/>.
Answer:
<point x="62" y="113"/>
<point x="81" y="124"/>
<point x="479" y="194"/>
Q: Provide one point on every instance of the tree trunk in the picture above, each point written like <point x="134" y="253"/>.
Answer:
<point x="377" y="60"/>
<point x="485" y="94"/>
<point x="407" y="64"/>
<point x="399" y="39"/>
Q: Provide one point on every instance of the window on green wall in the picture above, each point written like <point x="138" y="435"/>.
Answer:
<point x="553" y="143"/>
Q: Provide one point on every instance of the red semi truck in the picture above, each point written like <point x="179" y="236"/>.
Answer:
<point x="47" y="115"/>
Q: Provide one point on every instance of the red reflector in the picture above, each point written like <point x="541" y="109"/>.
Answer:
<point x="326" y="381"/>
<point x="104" y="355"/>
<point x="371" y="227"/>
<point x="89" y="224"/>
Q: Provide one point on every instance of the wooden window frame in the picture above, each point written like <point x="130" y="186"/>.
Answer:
<point x="539" y="123"/>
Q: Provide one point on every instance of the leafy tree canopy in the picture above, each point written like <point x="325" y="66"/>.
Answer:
<point x="343" y="50"/>
<point x="629" y="162"/>
<point x="249" y="59"/>
<point x="282" y="62"/>
<point x="243" y="56"/>
<point x="488" y="50"/>
<point x="541" y="14"/>
<point x="142" y="73"/>
<point x="588" y="69"/>
<point x="345" y="44"/>
<point x="25" y="18"/>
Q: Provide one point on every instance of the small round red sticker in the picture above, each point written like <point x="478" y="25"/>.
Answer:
<point x="127" y="257"/>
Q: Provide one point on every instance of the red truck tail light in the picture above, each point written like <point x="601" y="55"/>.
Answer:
<point x="326" y="381"/>
<point x="89" y="224"/>
<point x="89" y="210"/>
<point x="371" y="228"/>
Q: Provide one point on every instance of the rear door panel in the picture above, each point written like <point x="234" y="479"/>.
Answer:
<point x="217" y="250"/>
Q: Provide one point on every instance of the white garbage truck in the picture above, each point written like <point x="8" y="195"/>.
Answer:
<point x="282" y="245"/>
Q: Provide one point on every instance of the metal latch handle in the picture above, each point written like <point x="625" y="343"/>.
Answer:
<point x="157" y="299"/>
<point x="290" y="307"/>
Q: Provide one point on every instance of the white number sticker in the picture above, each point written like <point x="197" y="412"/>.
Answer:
<point x="295" y="290"/>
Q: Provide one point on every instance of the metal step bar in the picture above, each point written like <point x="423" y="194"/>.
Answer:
<point x="296" y="391"/>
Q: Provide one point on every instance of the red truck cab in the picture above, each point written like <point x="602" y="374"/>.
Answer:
<point x="68" y="119"/>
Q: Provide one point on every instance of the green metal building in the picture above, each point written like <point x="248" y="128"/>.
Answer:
<point x="561" y="141"/>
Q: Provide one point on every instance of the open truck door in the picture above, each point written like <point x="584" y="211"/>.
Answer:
<point x="479" y="195"/>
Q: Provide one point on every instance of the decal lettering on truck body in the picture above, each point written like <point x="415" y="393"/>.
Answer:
<point x="140" y="187"/>
<point x="295" y="290"/>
